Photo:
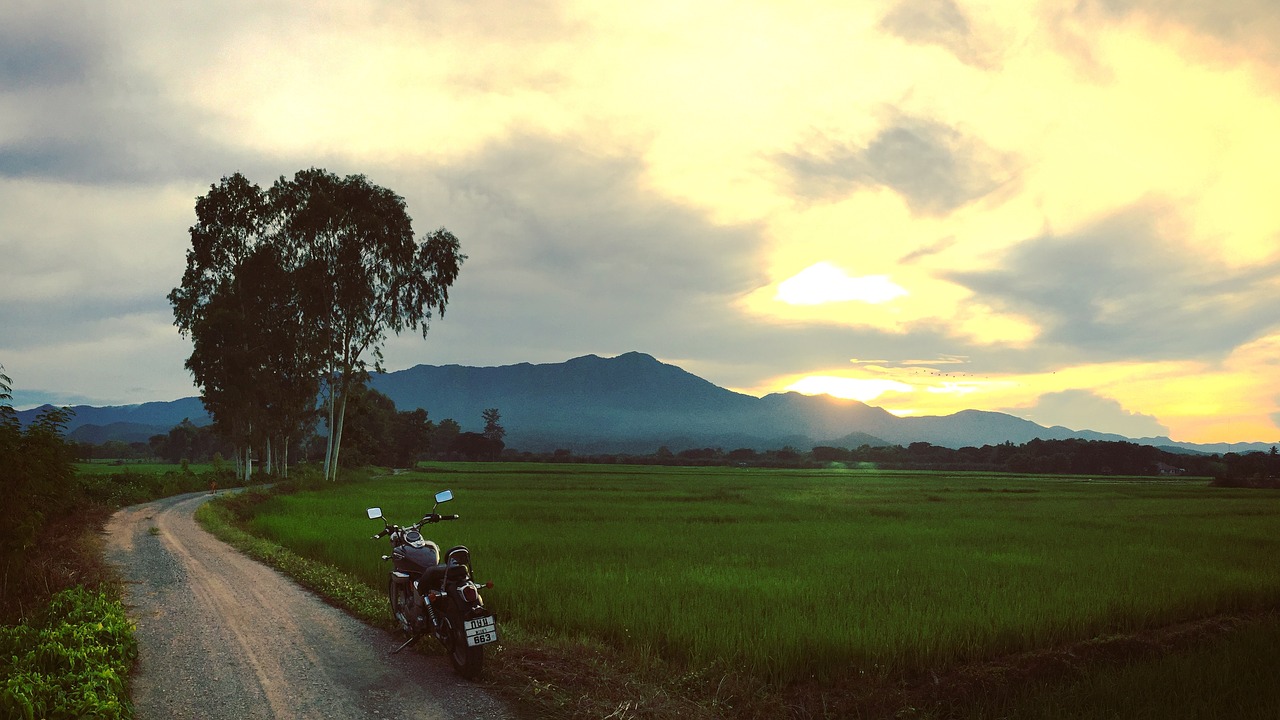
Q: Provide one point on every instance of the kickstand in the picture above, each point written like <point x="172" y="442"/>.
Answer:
<point x="405" y="645"/>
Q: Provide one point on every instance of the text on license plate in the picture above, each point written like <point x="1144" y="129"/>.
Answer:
<point x="480" y="631"/>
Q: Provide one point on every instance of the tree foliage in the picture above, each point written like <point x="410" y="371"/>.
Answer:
<point x="378" y="434"/>
<point x="37" y="478"/>
<point x="293" y="290"/>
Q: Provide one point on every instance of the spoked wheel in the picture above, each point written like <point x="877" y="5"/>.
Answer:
<point x="467" y="661"/>
<point x="398" y="594"/>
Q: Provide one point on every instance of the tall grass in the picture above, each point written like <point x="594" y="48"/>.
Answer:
<point x="787" y="575"/>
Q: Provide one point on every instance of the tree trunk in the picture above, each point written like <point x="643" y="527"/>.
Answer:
<point x="337" y="439"/>
<point x="328" y="449"/>
<point x="269" y="458"/>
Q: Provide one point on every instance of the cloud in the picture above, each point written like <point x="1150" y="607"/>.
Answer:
<point x="933" y="166"/>
<point x="941" y="23"/>
<point x="79" y="109"/>
<point x="1250" y="25"/>
<point x="1124" y="288"/>
<point x="39" y="50"/>
<point x="928" y="250"/>
<point x="1086" y="410"/>
<point x="569" y="253"/>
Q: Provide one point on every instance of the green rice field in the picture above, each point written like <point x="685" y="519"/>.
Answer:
<point x="787" y="575"/>
<point x="111" y="467"/>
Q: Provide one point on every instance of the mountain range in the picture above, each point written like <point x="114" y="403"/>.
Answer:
<point x="634" y="403"/>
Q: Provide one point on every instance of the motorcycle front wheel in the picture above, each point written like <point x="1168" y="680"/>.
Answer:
<point x="401" y="605"/>
<point x="467" y="661"/>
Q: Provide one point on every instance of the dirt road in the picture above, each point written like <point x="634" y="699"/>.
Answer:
<point x="222" y="636"/>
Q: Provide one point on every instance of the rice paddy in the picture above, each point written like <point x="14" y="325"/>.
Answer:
<point x="789" y="575"/>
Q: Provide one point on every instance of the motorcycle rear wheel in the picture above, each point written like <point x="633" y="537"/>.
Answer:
<point x="467" y="661"/>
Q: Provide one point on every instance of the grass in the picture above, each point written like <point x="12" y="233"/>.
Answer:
<point x="1228" y="677"/>
<point x="109" y="467"/>
<point x="796" y="578"/>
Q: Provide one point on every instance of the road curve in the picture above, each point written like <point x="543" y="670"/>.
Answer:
<point x="221" y="636"/>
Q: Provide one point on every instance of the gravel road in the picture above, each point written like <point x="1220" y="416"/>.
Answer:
<point x="222" y="636"/>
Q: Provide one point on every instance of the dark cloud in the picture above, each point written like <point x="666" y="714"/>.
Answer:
<point x="567" y="250"/>
<point x="941" y="23"/>
<point x="41" y="47"/>
<point x="1087" y="410"/>
<point x="1122" y="290"/>
<point x="924" y="252"/>
<point x="76" y="112"/>
<point x="933" y="166"/>
<point x="1241" y="31"/>
<point x="1252" y="22"/>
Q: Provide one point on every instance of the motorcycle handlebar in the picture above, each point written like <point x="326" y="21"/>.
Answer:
<point x="434" y="518"/>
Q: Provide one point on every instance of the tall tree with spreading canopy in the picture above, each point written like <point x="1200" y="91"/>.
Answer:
<point x="363" y="274"/>
<point x="288" y="292"/>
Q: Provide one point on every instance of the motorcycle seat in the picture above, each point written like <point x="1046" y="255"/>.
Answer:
<point x="435" y="576"/>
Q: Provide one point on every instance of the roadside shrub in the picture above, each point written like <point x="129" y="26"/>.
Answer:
<point x="243" y="504"/>
<point x="70" y="662"/>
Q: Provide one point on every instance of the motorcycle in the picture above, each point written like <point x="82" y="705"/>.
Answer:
<point x="435" y="595"/>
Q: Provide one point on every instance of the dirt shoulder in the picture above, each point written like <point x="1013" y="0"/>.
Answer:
<point x="222" y="636"/>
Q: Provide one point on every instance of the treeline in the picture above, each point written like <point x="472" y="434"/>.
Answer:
<point x="376" y="433"/>
<point x="49" y="508"/>
<point x="1049" y="457"/>
<point x="47" y="505"/>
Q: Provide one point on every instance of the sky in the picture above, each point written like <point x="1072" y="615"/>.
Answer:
<point x="1060" y="210"/>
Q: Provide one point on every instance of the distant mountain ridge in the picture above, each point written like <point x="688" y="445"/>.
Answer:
<point x="633" y="403"/>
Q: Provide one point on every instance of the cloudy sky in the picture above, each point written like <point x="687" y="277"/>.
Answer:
<point x="1062" y="210"/>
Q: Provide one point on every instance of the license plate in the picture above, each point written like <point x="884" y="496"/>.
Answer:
<point x="480" y="631"/>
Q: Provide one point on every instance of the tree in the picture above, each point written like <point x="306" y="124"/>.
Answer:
<point x="474" y="446"/>
<point x="492" y="429"/>
<point x="410" y="437"/>
<point x="363" y="275"/>
<point x="443" y="436"/>
<point x="287" y="290"/>
<point x="238" y="301"/>
<point x="36" y="482"/>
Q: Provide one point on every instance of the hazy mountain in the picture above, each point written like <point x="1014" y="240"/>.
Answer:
<point x="633" y="403"/>
<point x="126" y="423"/>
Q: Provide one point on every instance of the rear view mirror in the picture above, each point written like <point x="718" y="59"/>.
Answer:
<point x="374" y="513"/>
<point x="444" y="496"/>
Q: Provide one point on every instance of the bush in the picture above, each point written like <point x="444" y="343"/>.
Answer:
<point x="70" y="662"/>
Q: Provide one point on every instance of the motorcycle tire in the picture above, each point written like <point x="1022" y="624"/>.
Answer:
<point x="398" y="595"/>
<point x="467" y="661"/>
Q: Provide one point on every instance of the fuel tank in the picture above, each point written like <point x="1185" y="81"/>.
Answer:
<point x="415" y="558"/>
